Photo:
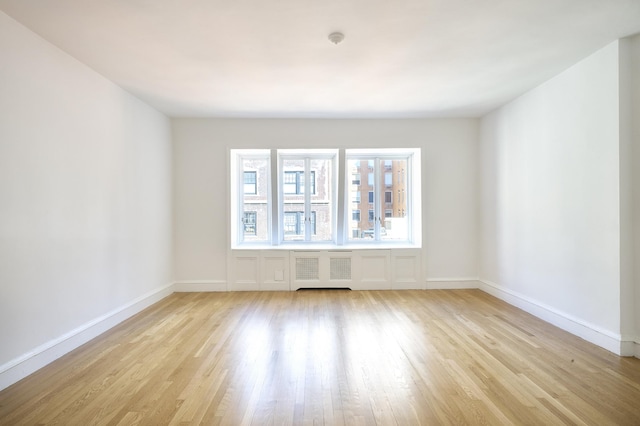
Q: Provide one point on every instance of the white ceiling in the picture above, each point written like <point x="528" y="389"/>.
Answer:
<point x="256" y="58"/>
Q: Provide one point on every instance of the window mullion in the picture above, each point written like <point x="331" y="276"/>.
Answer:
<point x="377" y="178"/>
<point x="240" y="201"/>
<point x="307" y="199"/>
<point x="275" y="190"/>
<point x="342" y="192"/>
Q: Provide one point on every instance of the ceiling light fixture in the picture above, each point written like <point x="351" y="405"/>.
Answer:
<point x="336" y="37"/>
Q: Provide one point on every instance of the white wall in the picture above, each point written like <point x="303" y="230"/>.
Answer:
<point x="634" y="87"/>
<point x="550" y="200"/>
<point x="449" y="174"/>
<point x="627" y="284"/>
<point x="85" y="203"/>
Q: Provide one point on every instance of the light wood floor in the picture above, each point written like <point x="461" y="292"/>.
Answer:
<point x="331" y="357"/>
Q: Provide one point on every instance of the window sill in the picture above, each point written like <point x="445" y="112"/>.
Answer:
<point x="328" y="246"/>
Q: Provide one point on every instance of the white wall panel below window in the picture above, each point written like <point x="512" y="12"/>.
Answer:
<point x="258" y="270"/>
<point x="406" y="267"/>
<point x="374" y="270"/>
<point x="384" y="269"/>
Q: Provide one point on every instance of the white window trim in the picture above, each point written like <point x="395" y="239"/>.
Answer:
<point x="340" y="182"/>
<point x="237" y="193"/>
<point x="307" y="155"/>
<point x="414" y="201"/>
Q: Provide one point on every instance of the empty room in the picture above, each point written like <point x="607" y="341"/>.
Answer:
<point x="343" y="212"/>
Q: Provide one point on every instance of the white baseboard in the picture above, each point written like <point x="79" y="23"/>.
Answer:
<point x="452" y="283"/>
<point x="199" y="286"/>
<point x="627" y="346"/>
<point x="589" y="332"/>
<point x="19" y="368"/>
<point x="408" y="285"/>
<point x="275" y="286"/>
<point x="630" y="346"/>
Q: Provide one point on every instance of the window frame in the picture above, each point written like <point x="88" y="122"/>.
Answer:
<point x="311" y="225"/>
<point x="378" y="161"/>
<point x="237" y="201"/>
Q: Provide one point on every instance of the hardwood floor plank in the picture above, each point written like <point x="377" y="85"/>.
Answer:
<point x="334" y="358"/>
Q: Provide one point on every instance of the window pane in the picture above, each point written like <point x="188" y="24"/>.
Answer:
<point x="290" y="182"/>
<point x="321" y="219"/>
<point x="313" y="221"/>
<point x="385" y="204"/>
<point x="300" y="182"/>
<point x="254" y="206"/>
<point x="292" y="223"/>
<point x="388" y="178"/>
<point x="360" y="227"/>
<point x="249" y="222"/>
<point x="250" y="182"/>
<point x="396" y="223"/>
<point x="312" y="184"/>
<point x="293" y="208"/>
